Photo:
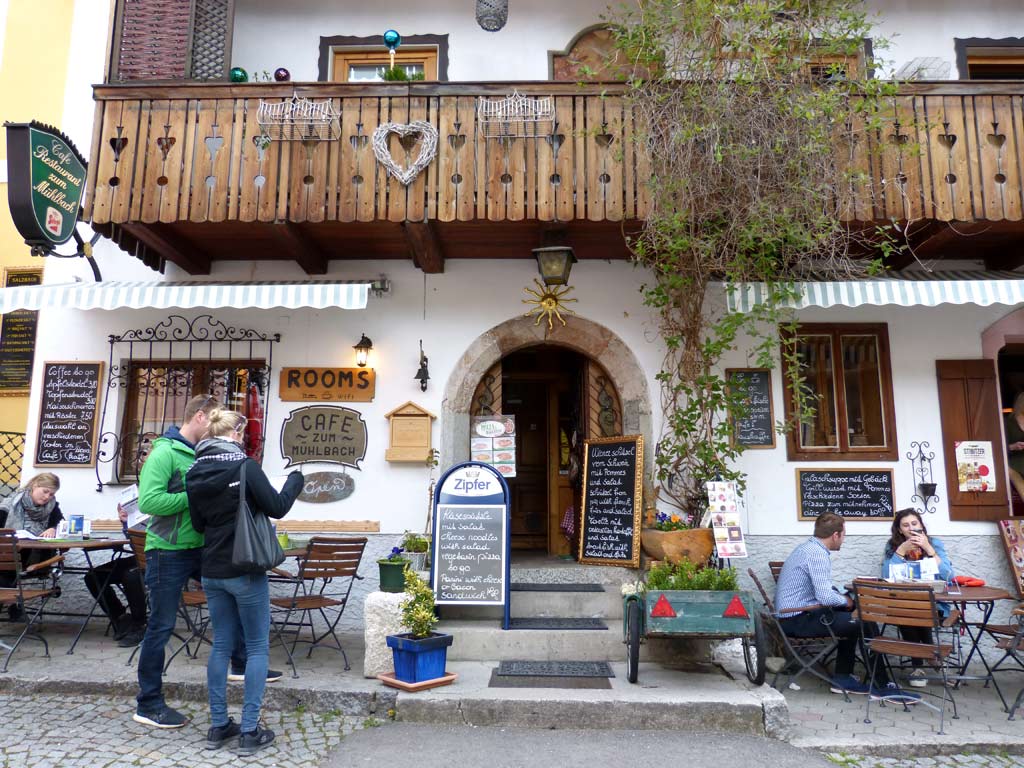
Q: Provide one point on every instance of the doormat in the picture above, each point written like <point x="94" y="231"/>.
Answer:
<point x="517" y="681"/>
<point x="555" y="669"/>
<point x="543" y="623"/>
<point x="523" y="586"/>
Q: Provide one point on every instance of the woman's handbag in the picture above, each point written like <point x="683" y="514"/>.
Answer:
<point x="256" y="546"/>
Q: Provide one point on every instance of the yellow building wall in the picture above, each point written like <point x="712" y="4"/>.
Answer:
<point x="33" y="72"/>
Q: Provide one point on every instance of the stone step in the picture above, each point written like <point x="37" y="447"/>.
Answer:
<point x="606" y="605"/>
<point x="484" y="640"/>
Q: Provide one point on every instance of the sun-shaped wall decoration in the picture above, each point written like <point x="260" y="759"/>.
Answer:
<point x="548" y="301"/>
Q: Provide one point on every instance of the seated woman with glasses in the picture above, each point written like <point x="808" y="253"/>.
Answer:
<point x="910" y="543"/>
<point x="34" y="509"/>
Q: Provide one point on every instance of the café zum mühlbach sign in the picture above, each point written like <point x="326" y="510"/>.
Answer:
<point x="46" y="180"/>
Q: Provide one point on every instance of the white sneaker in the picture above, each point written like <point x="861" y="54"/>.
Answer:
<point x="917" y="678"/>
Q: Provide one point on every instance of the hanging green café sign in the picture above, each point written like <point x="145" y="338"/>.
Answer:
<point x="46" y="181"/>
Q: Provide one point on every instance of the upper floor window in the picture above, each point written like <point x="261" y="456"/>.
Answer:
<point x="981" y="58"/>
<point x="846" y="370"/>
<point x="348" y="59"/>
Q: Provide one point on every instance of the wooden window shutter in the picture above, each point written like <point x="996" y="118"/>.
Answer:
<point x="172" y="40"/>
<point x="969" y="410"/>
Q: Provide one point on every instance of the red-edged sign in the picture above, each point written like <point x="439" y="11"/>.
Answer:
<point x="663" y="609"/>
<point x="735" y="609"/>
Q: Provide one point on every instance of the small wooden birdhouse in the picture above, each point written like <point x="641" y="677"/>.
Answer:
<point x="410" y="433"/>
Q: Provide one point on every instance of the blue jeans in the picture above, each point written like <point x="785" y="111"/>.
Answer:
<point x="239" y="607"/>
<point x="167" y="574"/>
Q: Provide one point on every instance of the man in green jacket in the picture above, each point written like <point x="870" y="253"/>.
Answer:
<point x="173" y="553"/>
<point x="173" y="556"/>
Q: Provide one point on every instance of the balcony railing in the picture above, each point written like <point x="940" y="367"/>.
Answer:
<point x="192" y="153"/>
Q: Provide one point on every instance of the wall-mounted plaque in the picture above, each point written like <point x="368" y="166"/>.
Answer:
<point x="328" y="385"/>
<point x="856" y="494"/>
<point x="328" y="434"/>
<point x="69" y="414"/>
<point x="757" y="427"/>
<point x="612" y="490"/>
<point x="326" y="487"/>
<point x="18" y="336"/>
<point x="410" y="428"/>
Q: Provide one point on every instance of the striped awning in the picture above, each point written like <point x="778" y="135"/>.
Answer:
<point x="318" y="294"/>
<point x="917" y="289"/>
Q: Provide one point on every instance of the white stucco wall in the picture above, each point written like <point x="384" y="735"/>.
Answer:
<point x="270" y="34"/>
<point x="465" y="301"/>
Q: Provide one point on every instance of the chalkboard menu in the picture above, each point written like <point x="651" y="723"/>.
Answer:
<point x="856" y="494"/>
<point x="69" y="414"/>
<point x="18" y="337"/>
<point x="757" y="428"/>
<point x="469" y="554"/>
<point x="612" y="491"/>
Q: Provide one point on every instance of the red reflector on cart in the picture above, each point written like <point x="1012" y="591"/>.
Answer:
<point x="663" y="609"/>
<point x="735" y="609"/>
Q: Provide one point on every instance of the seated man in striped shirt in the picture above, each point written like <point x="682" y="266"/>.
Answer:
<point x="805" y="598"/>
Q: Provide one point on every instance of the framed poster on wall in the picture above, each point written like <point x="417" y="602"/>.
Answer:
<point x="18" y="336"/>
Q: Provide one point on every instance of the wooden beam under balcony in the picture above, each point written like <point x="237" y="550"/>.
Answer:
<point x="301" y="248"/>
<point x="427" y="253"/>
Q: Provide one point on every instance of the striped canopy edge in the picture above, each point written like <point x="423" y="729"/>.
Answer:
<point x="910" y="289"/>
<point x="317" y="294"/>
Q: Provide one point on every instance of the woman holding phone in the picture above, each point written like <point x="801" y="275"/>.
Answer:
<point x="239" y="601"/>
<point x="909" y="543"/>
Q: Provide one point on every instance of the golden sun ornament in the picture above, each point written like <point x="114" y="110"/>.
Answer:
<point x="549" y="302"/>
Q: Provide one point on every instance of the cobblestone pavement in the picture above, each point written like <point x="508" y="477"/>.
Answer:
<point x="73" y="731"/>
<point x="945" y="761"/>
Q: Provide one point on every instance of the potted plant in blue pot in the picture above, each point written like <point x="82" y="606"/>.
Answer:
<point x="419" y="654"/>
<point x="392" y="571"/>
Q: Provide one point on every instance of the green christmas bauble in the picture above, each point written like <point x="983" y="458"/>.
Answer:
<point x="392" y="39"/>
<point x="238" y="75"/>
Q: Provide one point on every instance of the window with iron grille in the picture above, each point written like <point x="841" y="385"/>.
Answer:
<point x="155" y="371"/>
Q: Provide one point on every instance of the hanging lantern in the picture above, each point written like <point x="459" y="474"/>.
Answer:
<point x="491" y="15"/>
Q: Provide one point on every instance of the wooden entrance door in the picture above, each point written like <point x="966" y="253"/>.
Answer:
<point x="528" y="402"/>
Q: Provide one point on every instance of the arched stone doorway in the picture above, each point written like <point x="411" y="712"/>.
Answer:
<point x="580" y="338"/>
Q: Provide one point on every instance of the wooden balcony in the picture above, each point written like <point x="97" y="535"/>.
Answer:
<point x="179" y="173"/>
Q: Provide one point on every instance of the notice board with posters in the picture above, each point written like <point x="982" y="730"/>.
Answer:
<point x="18" y="336"/>
<point x="612" y="494"/>
<point x="855" y="494"/>
<point x="69" y="413"/>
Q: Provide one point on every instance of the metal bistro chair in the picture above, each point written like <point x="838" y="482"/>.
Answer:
<point x="191" y="609"/>
<point x="322" y="585"/>
<point x="908" y="605"/>
<point x="802" y="654"/>
<point x="1010" y="640"/>
<point x="30" y="602"/>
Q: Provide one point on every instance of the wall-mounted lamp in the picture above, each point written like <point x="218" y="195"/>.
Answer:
<point x="423" y="374"/>
<point x="554" y="263"/>
<point x="363" y="351"/>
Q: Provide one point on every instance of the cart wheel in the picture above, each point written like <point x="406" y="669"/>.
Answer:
<point x="755" y="650"/>
<point x="632" y="639"/>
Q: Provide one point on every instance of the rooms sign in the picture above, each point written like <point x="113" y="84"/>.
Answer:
<point x="327" y="385"/>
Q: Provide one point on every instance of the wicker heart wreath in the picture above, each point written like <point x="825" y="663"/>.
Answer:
<point x="428" y="148"/>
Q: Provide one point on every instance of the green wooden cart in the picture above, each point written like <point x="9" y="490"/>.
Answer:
<point x="695" y="614"/>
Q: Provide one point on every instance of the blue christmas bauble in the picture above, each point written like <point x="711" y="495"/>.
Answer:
<point x="392" y="39"/>
<point x="238" y="75"/>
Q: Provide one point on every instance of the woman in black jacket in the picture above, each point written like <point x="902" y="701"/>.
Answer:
<point x="239" y="601"/>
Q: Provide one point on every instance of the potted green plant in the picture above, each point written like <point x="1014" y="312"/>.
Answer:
<point x="397" y="74"/>
<point x="419" y="654"/>
<point x="416" y="546"/>
<point x="392" y="570"/>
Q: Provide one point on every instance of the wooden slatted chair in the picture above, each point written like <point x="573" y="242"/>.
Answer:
<point x="29" y="602"/>
<point x="322" y="586"/>
<point x="802" y="654"/>
<point x="775" y="566"/>
<point x="907" y="605"/>
<point x="192" y="609"/>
